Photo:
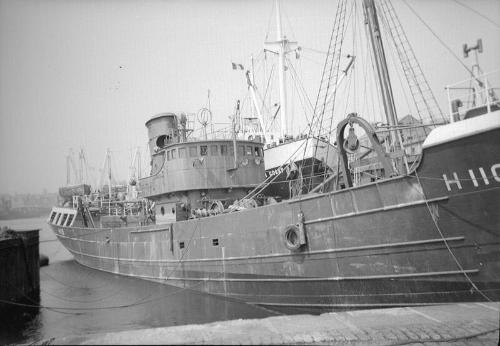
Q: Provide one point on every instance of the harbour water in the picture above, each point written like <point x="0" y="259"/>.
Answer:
<point x="76" y="300"/>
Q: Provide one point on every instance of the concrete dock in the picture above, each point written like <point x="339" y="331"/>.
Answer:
<point x="456" y="324"/>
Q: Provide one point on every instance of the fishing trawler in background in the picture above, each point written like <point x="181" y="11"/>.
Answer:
<point x="297" y="163"/>
<point x="407" y="221"/>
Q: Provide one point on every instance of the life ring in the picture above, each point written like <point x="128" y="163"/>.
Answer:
<point x="292" y="237"/>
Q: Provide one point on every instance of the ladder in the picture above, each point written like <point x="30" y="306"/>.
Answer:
<point x="330" y="74"/>
<point x="425" y="102"/>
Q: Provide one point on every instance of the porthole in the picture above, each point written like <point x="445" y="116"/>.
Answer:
<point x="161" y="141"/>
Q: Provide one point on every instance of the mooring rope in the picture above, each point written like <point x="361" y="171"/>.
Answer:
<point x="459" y="265"/>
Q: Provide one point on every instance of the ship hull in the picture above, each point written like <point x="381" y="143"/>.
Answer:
<point x="308" y="163"/>
<point x="412" y="240"/>
<point x="286" y="184"/>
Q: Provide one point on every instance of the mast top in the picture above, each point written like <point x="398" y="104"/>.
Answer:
<point x="283" y="48"/>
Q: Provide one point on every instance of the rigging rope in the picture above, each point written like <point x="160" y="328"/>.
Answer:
<point x="312" y="60"/>
<point x="136" y="303"/>
<point x="478" y="13"/>
<point x="459" y="265"/>
<point x="438" y="38"/>
<point x="298" y="83"/>
<point x="487" y="177"/>
<point x="259" y="188"/>
<point x="364" y="63"/>
<point x="315" y="50"/>
<point x="413" y="131"/>
<point x="330" y="73"/>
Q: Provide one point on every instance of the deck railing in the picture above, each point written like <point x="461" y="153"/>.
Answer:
<point x="110" y="207"/>
<point x="475" y="93"/>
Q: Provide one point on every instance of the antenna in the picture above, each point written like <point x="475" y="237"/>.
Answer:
<point x="210" y="110"/>
<point x="478" y="47"/>
<point x="485" y="92"/>
<point x="204" y="117"/>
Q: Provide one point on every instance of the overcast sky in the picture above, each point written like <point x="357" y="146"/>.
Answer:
<point x="89" y="74"/>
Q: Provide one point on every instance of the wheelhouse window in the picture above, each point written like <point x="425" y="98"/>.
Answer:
<point x="57" y="218"/>
<point x="168" y="155"/>
<point x="193" y="152"/>
<point x="52" y="216"/>
<point x="70" y="219"/>
<point x="174" y="154"/>
<point x="249" y="150"/>
<point x="203" y="150"/>
<point x="182" y="153"/>
<point x="257" y="151"/>
<point x="64" y="219"/>
<point x="231" y="150"/>
<point x="213" y="150"/>
<point x="223" y="149"/>
<point x="241" y="150"/>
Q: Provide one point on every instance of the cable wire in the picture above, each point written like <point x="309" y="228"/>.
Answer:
<point x="457" y="262"/>
<point x="438" y="38"/>
<point x="478" y="13"/>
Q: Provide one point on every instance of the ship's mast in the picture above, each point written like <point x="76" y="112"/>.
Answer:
<point x="68" y="169"/>
<point x="108" y="160"/>
<point x="251" y="86"/>
<point x="283" y="48"/>
<point x="281" y="68"/>
<point x="382" y="71"/>
<point x="83" y="173"/>
<point x="70" y="163"/>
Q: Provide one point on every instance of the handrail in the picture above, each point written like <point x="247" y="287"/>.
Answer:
<point x="471" y="78"/>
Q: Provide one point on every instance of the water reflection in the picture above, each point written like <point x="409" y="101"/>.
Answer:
<point x="78" y="300"/>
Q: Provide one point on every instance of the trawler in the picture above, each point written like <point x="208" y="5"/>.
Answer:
<point x="392" y="232"/>
<point x="296" y="163"/>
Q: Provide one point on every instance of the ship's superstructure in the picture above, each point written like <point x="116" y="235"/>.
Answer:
<point x="197" y="178"/>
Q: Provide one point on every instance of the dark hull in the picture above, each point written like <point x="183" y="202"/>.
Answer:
<point x="310" y="160"/>
<point x="285" y="185"/>
<point x="403" y="241"/>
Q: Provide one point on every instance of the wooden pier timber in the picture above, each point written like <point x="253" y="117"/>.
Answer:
<point x="19" y="267"/>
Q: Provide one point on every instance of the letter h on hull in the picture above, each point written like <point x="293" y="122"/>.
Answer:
<point x="475" y="179"/>
<point x="449" y="182"/>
